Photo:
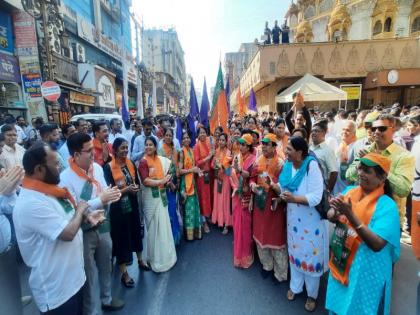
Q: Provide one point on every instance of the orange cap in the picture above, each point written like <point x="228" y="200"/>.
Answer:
<point x="246" y="139"/>
<point x="270" y="137"/>
<point x="374" y="159"/>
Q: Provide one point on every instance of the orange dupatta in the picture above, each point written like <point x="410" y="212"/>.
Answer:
<point x="117" y="173"/>
<point x="48" y="189"/>
<point x="272" y="167"/>
<point x="343" y="150"/>
<point x="89" y="176"/>
<point x="224" y="158"/>
<point x="155" y="167"/>
<point x="188" y="163"/>
<point x="363" y="208"/>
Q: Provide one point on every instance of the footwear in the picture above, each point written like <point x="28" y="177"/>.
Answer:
<point x="27" y="299"/>
<point x="206" y="228"/>
<point x="225" y="230"/>
<point x="127" y="281"/>
<point x="144" y="266"/>
<point x="291" y="296"/>
<point x="310" y="304"/>
<point x="265" y="273"/>
<point x="115" y="305"/>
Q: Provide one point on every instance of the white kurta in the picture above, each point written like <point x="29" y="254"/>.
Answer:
<point x="307" y="236"/>
<point x="160" y="242"/>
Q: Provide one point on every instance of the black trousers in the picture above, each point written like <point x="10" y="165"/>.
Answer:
<point x="73" y="306"/>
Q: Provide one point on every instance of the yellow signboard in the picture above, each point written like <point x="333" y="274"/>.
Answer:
<point x="353" y="92"/>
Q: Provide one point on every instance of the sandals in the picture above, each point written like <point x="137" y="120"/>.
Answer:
<point x="206" y="228"/>
<point x="225" y="230"/>
<point x="290" y="295"/>
<point x="310" y="304"/>
<point x="144" y="266"/>
<point x="127" y="283"/>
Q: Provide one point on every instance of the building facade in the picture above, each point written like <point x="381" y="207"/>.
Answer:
<point x="163" y="55"/>
<point x="368" y="44"/>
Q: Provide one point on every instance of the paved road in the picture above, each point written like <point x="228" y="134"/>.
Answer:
<point x="204" y="281"/>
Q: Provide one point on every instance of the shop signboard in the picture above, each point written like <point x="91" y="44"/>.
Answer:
<point x="6" y="36"/>
<point x="83" y="99"/>
<point x="32" y="84"/>
<point x="91" y="34"/>
<point x="354" y="93"/>
<point x="9" y="69"/>
<point x="25" y="34"/>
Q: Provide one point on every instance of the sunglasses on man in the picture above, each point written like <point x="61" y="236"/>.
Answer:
<point x="380" y="128"/>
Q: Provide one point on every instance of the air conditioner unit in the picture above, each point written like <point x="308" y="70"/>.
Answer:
<point x="80" y="53"/>
<point x="54" y="39"/>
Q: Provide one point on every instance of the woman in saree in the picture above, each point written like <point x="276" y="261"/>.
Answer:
<point x="234" y="146"/>
<point x="221" y="164"/>
<point x="203" y="154"/>
<point x="188" y="191"/>
<point x="168" y="150"/>
<point x="155" y="177"/>
<point x="243" y="253"/>
<point x="126" y="231"/>
<point x="301" y="187"/>
<point x="365" y="242"/>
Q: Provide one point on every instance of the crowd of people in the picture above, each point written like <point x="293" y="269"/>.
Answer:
<point x="304" y="191"/>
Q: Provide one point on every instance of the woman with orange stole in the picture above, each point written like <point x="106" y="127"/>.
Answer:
<point x="221" y="164"/>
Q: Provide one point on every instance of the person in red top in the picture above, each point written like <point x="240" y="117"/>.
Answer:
<point x="269" y="221"/>
<point x="203" y="155"/>
<point x="102" y="150"/>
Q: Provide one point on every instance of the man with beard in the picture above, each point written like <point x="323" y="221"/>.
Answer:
<point x="51" y="136"/>
<point x="401" y="175"/>
<point x="102" y="150"/>
<point x="116" y="127"/>
<point x="47" y="222"/>
<point x="85" y="181"/>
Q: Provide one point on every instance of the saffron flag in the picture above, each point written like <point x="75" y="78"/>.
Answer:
<point x="219" y="113"/>
<point x="204" y="109"/>
<point x="241" y="103"/>
<point x="252" y="101"/>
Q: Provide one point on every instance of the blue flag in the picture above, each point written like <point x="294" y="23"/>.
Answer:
<point x="124" y="112"/>
<point x="191" y="128"/>
<point x="179" y="130"/>
<point x="193" y="102"/>
<point x="204" y="109"/>
<point x="252" y="101"/>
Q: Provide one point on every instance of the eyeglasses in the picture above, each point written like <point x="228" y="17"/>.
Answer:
<point x="380" y="128"/>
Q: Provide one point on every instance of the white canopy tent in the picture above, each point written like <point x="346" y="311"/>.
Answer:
<point x="313" y="90"/>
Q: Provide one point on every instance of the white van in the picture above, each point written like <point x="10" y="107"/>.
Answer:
<point x="99" y="116"/>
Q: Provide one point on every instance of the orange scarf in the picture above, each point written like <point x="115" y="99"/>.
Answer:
<point x="118" y="175"/>
<point x="203" y="148"/>
<point x="188" y="163"/>
<point x="234" y="148"/>
<point x="170" y="153"/>
<point x="89" y="176"/>
<point x="225" y="159"/>
<point x="155" y="167"/>
<point x="343" y="150"/>
<point x="272" y="168"/>
<point x="363" y="208"/>
<point x="97" y="144"/>
<point x="48" y="189"/>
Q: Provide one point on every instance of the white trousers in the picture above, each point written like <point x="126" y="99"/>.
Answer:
<point x="298" y="279"/>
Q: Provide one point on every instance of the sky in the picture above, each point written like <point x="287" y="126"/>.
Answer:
<point x="207" y="29"/>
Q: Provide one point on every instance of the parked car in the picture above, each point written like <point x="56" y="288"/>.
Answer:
<point x="93" y="117"/>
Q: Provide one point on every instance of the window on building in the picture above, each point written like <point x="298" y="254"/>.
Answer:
<point x="388" y="25"/>
<point x="415" y="27"/>
<point x="377" y="29"/>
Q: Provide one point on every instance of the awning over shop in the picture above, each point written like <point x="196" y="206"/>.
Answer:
<point x="313" y="90"/>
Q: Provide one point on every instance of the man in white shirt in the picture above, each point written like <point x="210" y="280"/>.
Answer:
<point x="85" y="181"/>
<point x="12" y="152"/>
<point x="116" y="126"/>
<point x="47" y="223"/>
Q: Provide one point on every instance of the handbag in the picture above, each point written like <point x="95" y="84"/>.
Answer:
<point x="324" y="204"/>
